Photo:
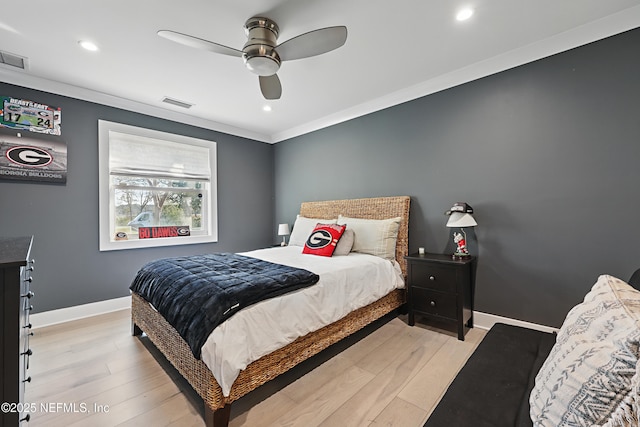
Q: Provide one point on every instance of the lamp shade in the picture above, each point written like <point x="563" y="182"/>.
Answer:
<point x="459" y="219"/>
<point x="283" y="230"/>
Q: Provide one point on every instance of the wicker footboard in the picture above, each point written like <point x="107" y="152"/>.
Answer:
<point x="176" y="350"/>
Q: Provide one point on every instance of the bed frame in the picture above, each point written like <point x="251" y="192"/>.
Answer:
<point x="217" y="407"/>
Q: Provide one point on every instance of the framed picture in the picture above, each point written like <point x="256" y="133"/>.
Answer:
<point x="22" y="114"/>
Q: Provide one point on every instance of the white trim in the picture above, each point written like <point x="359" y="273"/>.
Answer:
<point x="47" y="318"/>
<point x="607" y="26"/>
<point x="486" y="321"/>
<point x="54" y="317"/>
<point x="108" y="241"/>
<point x="20" y="78"/>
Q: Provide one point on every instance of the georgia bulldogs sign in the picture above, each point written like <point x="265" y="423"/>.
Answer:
<point x="163" y="231"/>
<point x="32" y="160"/>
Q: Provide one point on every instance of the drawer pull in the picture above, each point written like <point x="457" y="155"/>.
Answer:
<point x="29" y="326"/>
<point x="432" y="278"/>
<point x="432" y="303"/>
<point x="28" y="353"/>
<point x="30" y="279"/>
<point x="26" y="418"/>
<point x="27" y="380"/>
<point x="28" y="295"/>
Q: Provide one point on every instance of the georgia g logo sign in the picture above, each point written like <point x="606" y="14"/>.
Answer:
<point x="319" y="239"/>
<point x="29" y="156"/>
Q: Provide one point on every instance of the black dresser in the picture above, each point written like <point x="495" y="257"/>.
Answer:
<point x="15" y="305"/>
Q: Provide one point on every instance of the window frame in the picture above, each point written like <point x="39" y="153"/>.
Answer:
<point x="107" y="200"/>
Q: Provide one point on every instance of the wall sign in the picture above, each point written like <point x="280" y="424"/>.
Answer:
<point x="29" y="159"/>
<point x="21" y="114"/>
<point x="163" y="231"/>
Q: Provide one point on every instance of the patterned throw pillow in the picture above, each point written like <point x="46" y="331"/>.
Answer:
<point x="323" y="239"/>
<point x="590" y="378"/>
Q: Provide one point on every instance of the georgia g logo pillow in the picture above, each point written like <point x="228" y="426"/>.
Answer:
<point x="323" y="239"/>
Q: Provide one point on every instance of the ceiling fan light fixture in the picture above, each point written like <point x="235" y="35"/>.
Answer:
<point x="262" y="55"/>
<point x="259" y="53"/>
<point x="261" y="60"/>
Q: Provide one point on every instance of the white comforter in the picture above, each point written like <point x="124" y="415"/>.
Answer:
<point x="346" y="284"/>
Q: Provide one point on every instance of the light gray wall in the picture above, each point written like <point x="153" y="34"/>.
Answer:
<point x="546" y="153"/>
<point x="70" y="270"/>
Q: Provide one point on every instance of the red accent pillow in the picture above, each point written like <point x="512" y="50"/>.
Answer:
<point x="323" y="239"/>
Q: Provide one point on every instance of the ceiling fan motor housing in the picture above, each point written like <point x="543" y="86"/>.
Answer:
<point x="259" y="53"/>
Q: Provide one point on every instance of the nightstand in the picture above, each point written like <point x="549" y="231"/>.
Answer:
<point x="441" y="288"/>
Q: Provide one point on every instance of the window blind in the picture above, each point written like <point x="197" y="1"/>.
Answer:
<point x="143" y="156"/>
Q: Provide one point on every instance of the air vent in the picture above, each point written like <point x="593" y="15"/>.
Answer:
<point x="176" y="102"/>
<point x="13" y="60"/>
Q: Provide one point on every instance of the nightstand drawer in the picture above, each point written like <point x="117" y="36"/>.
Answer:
<point x="432" y="276"/>
<point x="433" y="302"/>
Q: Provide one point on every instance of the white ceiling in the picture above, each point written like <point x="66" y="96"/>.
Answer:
<point x="395" y="51"/>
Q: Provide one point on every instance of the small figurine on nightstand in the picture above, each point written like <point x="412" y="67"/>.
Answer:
<point x="461" y="242"/>
<point x="460" y="217"/>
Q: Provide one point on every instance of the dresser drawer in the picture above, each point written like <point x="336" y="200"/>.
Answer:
<point x="433" y="276"/>
<point x="15" y="276"/>
<point x="434" y="302"/>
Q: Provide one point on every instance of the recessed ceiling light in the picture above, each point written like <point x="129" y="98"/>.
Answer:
<point x="464" y="14"/>
<point x="266" y="108"/>
<point x="88" y="45"/>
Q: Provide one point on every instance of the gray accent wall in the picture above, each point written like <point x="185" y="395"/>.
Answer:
<point x="546" y="153"/>
<point x="69" y="268"/>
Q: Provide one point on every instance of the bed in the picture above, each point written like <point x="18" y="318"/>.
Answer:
<point x="145" y="318"/>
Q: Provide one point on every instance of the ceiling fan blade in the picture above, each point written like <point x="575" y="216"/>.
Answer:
<point x="270" y="86"/>
<point x="312" y="43"/>
<point x="198" y="43"/>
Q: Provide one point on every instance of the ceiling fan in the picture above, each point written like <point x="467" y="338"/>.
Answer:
<point x="262" y="55"/>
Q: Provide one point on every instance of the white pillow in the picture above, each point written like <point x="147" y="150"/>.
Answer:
<point x="590" y="378"/>
<point x="373" y="236"/>
<point x="345" y="243"/>
<point x="303" y="227"/>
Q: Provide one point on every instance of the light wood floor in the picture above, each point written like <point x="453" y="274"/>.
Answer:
<point x="93" y="372"/>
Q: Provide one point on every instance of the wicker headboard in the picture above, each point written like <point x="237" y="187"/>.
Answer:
<point x="371" y="208"/>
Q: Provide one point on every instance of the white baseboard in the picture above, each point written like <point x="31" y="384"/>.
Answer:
<point x="47" y="318"/>
<point x="486" y="321"/>
<point x="53" y="317"/>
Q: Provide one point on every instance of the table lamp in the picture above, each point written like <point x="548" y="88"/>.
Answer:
<point x="283" y="230"/>
<point x="460" y="217"/>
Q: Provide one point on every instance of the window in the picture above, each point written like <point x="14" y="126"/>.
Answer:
<point x="156" y="188"/>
